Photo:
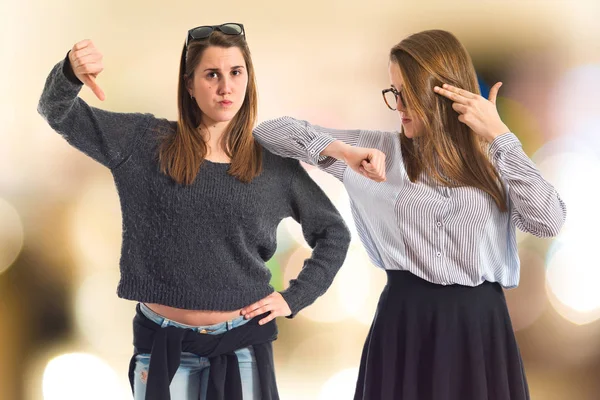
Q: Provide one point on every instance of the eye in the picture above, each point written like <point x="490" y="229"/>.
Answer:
<point x="400" y="95"/>
<point x="212" y="75"/>
<point x="236" y="72"/>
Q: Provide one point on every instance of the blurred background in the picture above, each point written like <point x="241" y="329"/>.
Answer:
<point x="65" y="335"/>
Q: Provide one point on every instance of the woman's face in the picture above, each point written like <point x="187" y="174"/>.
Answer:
<point x="412" y="125"/>
<point x="219" y="84"/>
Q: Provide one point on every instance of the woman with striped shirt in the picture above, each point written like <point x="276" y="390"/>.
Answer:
<point x="436" y="206"/>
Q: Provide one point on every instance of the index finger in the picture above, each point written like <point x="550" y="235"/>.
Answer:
<point x="90" y="82"/>
<point x="450" y="95"/>
<point x="369" y="166"/>
<point x="455" y="94"/>
<point x="460" y="92"/>
<point x="82" y="44"/>
<point x="252" y="307"/>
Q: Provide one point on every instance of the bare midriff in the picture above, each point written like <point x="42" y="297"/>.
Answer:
<point x="193" y="317"/>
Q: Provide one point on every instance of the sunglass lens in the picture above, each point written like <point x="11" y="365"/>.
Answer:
<point x="201" y="32"/>
<point x="231" y="29"/>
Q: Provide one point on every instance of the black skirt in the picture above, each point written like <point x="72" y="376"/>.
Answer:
<point x="434" y="342"/>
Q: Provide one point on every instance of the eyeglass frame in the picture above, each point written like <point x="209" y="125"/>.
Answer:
<point x="397" y="94"/>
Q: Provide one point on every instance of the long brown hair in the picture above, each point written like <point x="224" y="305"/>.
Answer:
<point x="448" y="150"/>
<point x="181" y="154"/>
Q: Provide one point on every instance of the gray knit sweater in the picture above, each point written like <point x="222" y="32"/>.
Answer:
<point x="202" y="246"/>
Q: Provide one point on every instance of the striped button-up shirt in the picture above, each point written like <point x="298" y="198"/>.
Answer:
<point x="445" y="235"/>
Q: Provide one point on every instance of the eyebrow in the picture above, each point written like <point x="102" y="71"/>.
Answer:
<point x="218" y="69"/>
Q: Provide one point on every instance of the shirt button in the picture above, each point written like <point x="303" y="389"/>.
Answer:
<point x="438" y="223"/>
<point x="438" y="254"/>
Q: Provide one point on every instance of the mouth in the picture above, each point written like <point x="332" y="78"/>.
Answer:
<point x="226" y="103"/>
<point x="406" y="120"/>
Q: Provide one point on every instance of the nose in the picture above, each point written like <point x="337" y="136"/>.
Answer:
<point x="401" y="109"/>
<point x="400" y="105"/>
<point x="225" y="86"/>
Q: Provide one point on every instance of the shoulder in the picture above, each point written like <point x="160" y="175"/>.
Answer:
<point x="283" y="170"/>
<point x="161" y="125"/>
<point x="154" y="131"/>
<point x="272" y="161"/>
<point x="158" y="128"/>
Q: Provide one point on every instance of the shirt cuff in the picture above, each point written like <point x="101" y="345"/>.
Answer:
<point x="68" y="71"/>
<point x="503" y="142"/>
<point x="316" y="147"/>
<point x="292" y="298"/>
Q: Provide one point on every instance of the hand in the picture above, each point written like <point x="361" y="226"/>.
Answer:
<point x="275" y="303"/>
<point x="475" y="111"/>
<point x="367" y="162"/>
<point x="86" y="62"/>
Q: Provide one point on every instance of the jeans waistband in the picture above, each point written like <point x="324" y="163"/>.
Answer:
<point x="215" y="329"/>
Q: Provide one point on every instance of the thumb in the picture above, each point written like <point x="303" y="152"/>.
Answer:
<point x="494" y="92"/>
<point x="90" y="81"/>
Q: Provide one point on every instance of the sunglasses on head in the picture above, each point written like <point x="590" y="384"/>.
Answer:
<point x="203" y="32"/>
<point x="393" y="96"/>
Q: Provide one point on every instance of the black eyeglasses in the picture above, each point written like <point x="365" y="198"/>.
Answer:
<point x="202" y="32"/>
<point x="392" y="96"/>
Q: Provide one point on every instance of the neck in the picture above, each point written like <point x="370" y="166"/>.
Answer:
<point x="214" y="132"/>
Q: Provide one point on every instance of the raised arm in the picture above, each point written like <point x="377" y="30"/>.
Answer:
<point x="107" y="137"/>
<point x="332" y="150"/>
<point x="535" y="205"/>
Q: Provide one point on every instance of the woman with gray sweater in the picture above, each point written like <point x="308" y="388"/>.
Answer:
<point x="201" y="201"/>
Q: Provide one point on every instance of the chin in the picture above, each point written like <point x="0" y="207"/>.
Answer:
<point x="223" y="116"/>
<point x="411" y="134"/>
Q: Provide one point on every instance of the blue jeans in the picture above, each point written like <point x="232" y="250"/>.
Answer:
<point x="192" y="374"/>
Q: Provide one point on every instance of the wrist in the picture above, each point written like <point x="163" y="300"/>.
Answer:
<point x="498" y="131"/>
<point x="338" y="150"/>
<point x="68" y="70"/>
